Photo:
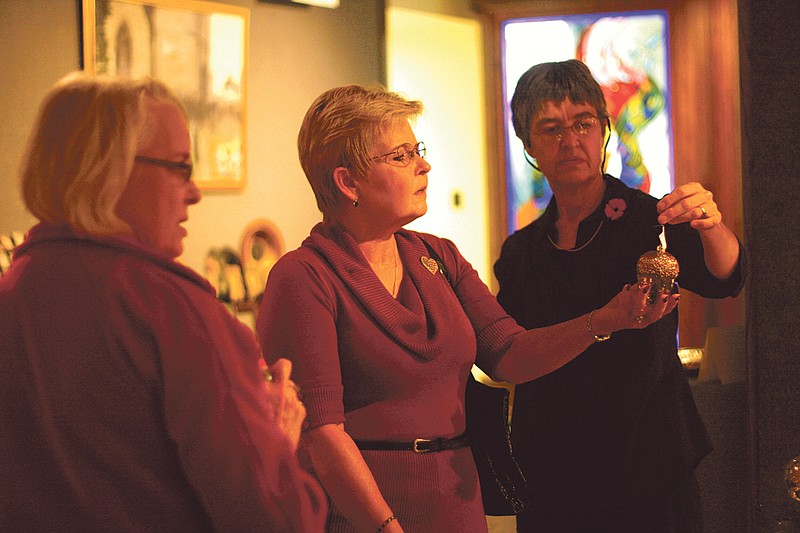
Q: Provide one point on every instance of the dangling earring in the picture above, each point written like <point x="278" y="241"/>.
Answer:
<point x="355" y="203"/>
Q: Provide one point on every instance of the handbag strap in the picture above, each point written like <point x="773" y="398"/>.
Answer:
<point x="504" y="489"/>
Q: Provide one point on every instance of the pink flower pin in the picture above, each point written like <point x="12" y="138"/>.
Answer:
<point x="615" y="208"/>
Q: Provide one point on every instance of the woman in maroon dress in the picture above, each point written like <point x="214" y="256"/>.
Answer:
<point x="130" y="398"/>
<point x="382" y="345"/>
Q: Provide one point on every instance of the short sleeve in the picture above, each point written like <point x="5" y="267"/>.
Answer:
<point x="297" y="321"/>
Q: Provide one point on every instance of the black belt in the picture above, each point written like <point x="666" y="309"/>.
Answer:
<point x="416" y="445"/>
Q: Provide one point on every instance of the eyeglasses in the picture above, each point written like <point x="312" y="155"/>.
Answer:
<point x="583" y="126"/>
<point x="185" y="169"/>
<point x="403" y="154"/>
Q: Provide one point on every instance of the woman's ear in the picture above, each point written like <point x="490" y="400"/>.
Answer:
<point x="344" y="181"/>
<point x="529" y="157"/>
<point x="529" y="152"/>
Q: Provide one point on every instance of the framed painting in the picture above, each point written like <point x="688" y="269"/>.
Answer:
<point x="628" y="54"/>
<point x="197" y="48"/>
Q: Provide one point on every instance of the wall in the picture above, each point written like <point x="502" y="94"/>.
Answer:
<point x="38" y="44"/>
<point x="427" y="56"/>
<point x="295" y="54"/>
<point x="454" y="8"/>
<point x="770" y="73"/>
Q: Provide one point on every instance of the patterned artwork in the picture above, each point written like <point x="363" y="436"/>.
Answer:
<point x="628" y="56"/>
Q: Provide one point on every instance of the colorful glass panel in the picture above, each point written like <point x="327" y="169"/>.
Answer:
<point x="628" y="55"/>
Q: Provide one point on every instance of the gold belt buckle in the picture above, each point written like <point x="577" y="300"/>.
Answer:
<point x="416" y="445"/>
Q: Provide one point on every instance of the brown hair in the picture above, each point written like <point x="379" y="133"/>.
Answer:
<point x="553" y="81"/>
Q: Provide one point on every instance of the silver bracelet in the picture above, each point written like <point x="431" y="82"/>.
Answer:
<point x="597" y="338"/>
<point x="385" y="523"/>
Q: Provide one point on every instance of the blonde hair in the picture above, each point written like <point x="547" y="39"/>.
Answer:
<point x="341" y="128"/>
<point x="81" y="151"/>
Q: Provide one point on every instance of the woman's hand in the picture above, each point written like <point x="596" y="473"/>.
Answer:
<point x="694" y="204"/>
<point x="289" y="410"/>
<point x="629" y="309"/>
<point x="690" y="203"/>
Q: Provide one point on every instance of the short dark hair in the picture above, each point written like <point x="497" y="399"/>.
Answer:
<point x="555" y="81"/>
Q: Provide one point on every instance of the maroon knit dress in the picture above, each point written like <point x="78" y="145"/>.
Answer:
<point x="389" y="369"/>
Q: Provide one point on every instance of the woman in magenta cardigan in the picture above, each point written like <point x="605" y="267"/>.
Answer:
<point x="381" y="344"/>
<point x="130" y="398"/>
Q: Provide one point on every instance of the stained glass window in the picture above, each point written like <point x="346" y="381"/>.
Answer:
<point x="628" y="56"/>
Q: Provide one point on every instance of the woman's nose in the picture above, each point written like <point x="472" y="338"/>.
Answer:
<point x="193" y="194"/>
<point x="423" y="165"/>
<point x="569" y="137"/>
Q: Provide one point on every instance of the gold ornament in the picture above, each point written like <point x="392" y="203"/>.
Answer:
<point x="658" y="268"/>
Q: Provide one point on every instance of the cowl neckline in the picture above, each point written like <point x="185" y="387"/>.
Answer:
<point x="417" y="320"/>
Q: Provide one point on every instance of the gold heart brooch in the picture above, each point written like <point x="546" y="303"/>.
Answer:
<point x="430" y="264"/>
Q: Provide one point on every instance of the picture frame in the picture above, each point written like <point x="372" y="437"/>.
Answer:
<point x="199" y="49"/>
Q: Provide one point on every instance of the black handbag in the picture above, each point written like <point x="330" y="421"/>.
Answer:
<point x="504" y="488"/>
<point x="503" y="485"/>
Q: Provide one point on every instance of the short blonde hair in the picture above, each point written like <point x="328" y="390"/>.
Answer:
<point x="341" y="128"/>
<point x="82" y="147"/>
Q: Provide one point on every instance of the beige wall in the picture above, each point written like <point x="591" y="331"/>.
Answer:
<point x="439" y="60"/>
<point x="295" y="54"/>
<point x="38" y="44"/>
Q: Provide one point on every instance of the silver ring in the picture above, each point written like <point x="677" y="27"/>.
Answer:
<point x="705" y="213"/>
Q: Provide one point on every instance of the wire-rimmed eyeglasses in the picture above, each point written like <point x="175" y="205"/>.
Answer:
<point x="582" y="127"/>
<point x="403" y="154"/>
<point x="185" y="169"/>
